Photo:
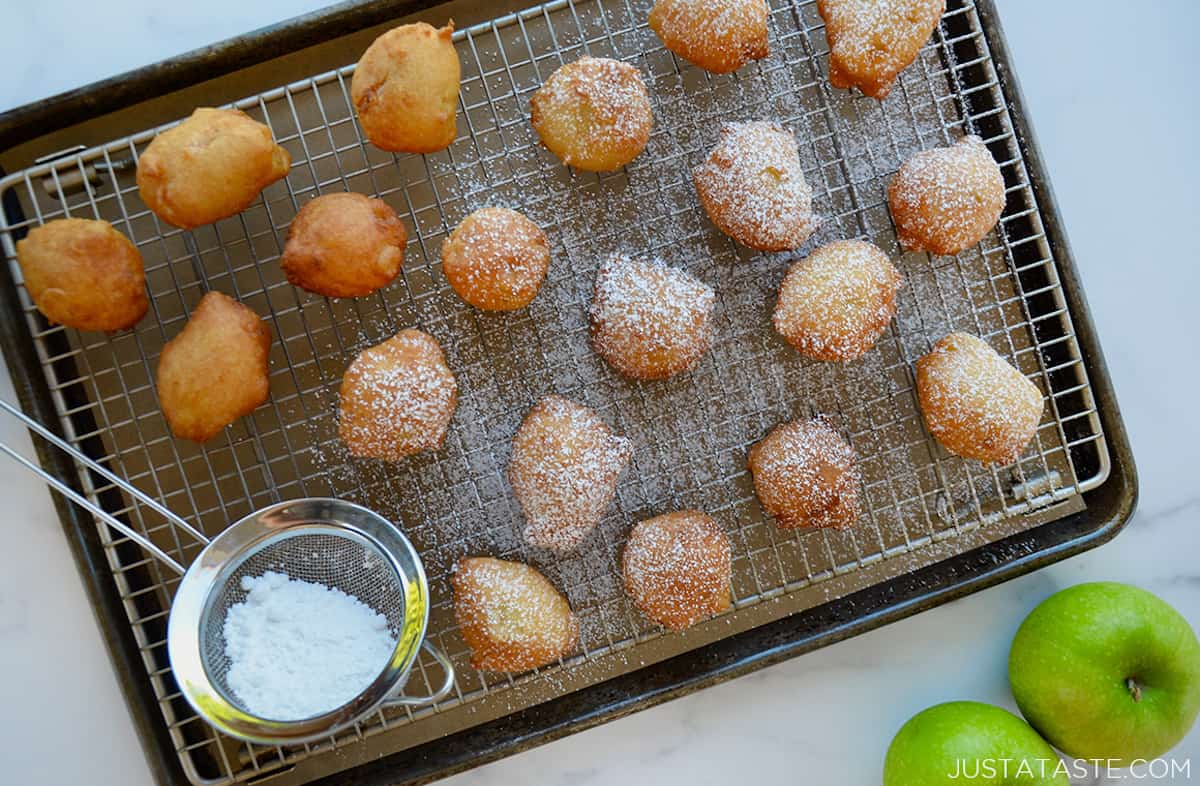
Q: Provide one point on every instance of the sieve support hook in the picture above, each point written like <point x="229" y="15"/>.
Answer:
<point x="441" y="693"/>
<point x="67" y="491"/>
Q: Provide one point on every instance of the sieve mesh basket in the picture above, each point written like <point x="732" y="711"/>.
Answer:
<point x="339" y="559"/>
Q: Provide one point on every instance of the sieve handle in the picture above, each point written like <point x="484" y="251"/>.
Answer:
<point x="441" y="693"/>
<point x="63" y="488"/>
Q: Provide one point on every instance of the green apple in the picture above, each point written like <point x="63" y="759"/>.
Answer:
<point x="966" y="742"/>
<point x="1107" y="671"/>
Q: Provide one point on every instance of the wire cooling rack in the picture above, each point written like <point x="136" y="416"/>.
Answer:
<point x="690" y="434"/>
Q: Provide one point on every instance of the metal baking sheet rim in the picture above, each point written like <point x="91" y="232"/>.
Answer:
<point x="1102" y="511"/>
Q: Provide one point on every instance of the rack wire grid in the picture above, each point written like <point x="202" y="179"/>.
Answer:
<point x="691" y="433"/>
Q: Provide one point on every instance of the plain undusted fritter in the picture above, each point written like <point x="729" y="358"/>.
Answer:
<point x="215" y="371"/>
<point x="496" y="259"/>
<point x="676" y="568"/>
<point x="594" y="114"/>
<point x="344" y="245"/>
<point x="650" y="321"/>
<point x="405" y="89"/>
<point x="564" y="469"/>
<point x="210" y="166"/>
<point x="510" y="615"/>
<point x="946" y="200"/>
<point x="834" y="304"/>
<point x="975" y="403"/>
<point x="397" y="398"/>
<point x="871" y="41"/>
<point x="84" y="274"/>
<point x="717" y="35"/>
<point x="805" y="476"/>
<point x="753" y="188"/>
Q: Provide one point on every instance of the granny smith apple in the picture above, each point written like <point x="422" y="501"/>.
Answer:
<point x="1107" y="671"/>
<point x="966" y="742"/>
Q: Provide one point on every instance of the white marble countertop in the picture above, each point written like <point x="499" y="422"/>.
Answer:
<point x="1115" y="110"/>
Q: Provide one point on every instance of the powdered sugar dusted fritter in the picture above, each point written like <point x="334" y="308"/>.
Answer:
<point x="510" y="615"/>
<point x="805" y="476"/>
<point x="717" y="35"/>
<point x="397" y="398"/>
<point x="496" y="259"/>
<point x="975" y="403"/>
<point x="834" y="304"/>
<point x="594" y="113"/>
<point x="676" y="568"/>
<point x="344" y="245"/>
<point x="872" y="41"/>
<point x="753" y="188"/>
<point x="650" y="321"/>
<point x="946" y="200"/>
<point x="564" y="469"/>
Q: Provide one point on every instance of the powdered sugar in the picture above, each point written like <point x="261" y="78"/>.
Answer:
<point x="299" y="649"/>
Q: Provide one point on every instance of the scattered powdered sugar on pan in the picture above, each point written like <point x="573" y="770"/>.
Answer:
<point x="298" y="649"/>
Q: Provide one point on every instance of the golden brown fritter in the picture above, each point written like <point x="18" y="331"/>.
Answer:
<point x="211" y="166"/>
<point x="510" y="615"/>
<point x="872" y="41"/>
<point x="650" y="321"/>
<point x="397" y="398"/>
<point x="974" y="402"/>
<point x="496" y="259"/>
<point x="84" y="274"/>
<point x="344" y="245"/>
<point x="215" y="370"/>
<point x="805" y="476"/>
<point x="716" y="35"/>
<point x="676" y="568"/>
<point x="405" y="89"/>
<point x="564" y="469"/>
<point x="835" y="304"/>
<point x="594" y="114"/>
<point x="753" y="188"/>
<point x="946" y="200"/>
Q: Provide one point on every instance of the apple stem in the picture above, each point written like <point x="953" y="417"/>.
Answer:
<point x="1135" y="690"/>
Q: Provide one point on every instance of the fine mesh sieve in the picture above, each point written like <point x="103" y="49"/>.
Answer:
<point x="325" y="541"/>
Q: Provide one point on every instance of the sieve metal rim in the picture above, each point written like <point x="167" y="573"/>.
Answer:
<point x="240" y="541"/>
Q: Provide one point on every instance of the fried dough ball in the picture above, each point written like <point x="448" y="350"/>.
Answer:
<point x="210" y="166"/>
<point x="946" y="200"/>
<point x="835" y="304"/>
<point x="397" y="398"/>
<point x="405" y="89"/>
<point x="563" y="471"/>
<point x="717" y="35"/>
<point x="84" y="274"/>
<point x="676" y="568"/>
<point x="805" y="476"/>
<point x="650" y="321"/>
<point x="594" y="114"/>
<point x="510" y="615"/>
<point x="753" y="189"/>
<point x="344" y="245"/>
<point x="215" y="370"/>
<point x="974" y="402"/>
<point x="496" y="259"/>
<point x="872" y="41"/>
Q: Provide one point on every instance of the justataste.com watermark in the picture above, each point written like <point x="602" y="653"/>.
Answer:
<point x="1077" y="769"/>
